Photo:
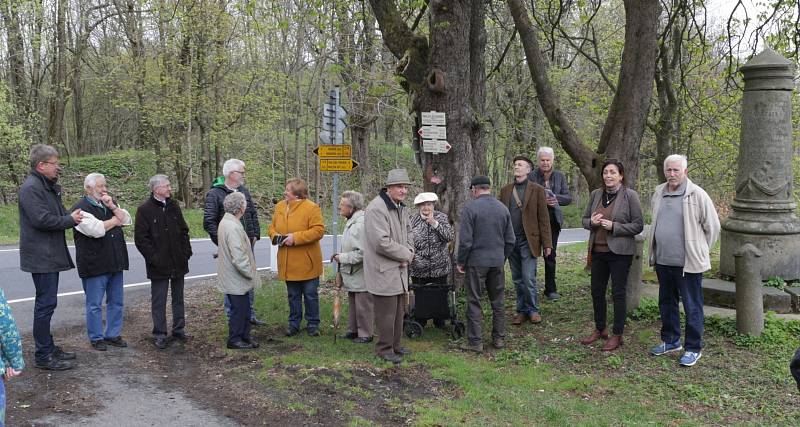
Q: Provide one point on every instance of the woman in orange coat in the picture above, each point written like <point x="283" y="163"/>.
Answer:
<point x="297" y="227"/>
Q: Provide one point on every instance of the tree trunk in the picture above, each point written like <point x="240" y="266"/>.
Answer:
<point x="55" y="128"/>
<point x="454" y="55"/>
<point x="16" y="59"/>
<point x="622" y="133"/>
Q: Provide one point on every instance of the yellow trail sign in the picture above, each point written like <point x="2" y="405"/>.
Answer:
<point x="334" y="151"/>
<point x="337" y="165"/>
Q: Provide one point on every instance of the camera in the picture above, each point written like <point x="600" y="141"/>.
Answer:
<point x="278" y="239"/>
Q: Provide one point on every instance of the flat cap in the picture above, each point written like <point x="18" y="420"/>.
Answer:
<point x="479" y="180"/>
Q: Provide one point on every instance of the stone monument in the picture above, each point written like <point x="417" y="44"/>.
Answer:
<point x="763" y="212"/>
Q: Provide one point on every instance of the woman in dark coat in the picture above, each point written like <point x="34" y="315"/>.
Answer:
<point x="613" y="217"/>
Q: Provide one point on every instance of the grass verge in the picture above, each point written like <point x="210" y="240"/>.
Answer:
<point x="544" y="376"/>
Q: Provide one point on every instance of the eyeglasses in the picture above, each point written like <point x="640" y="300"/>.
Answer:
<point x="56" y="164"/>
<point x="241" y="172"/>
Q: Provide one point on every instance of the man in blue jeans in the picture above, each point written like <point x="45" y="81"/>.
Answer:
<point x="685" y="226"/>
<point x="527" y="203"/>
<point x="43" y="248"/>
<point x="101" y="255"/>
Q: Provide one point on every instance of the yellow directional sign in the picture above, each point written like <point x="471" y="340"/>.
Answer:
<point x="337" y="165"/>
<point x="334" y="151"/>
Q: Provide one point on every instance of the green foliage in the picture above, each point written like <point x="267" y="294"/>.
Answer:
<point x="778" y="335"/>
<point x="13" y="146"/>
<point x="647" y="310"/>
<point x="775" y="282"/>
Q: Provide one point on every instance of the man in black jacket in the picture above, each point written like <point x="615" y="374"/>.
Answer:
<point x="162" y="237"/>
<point x="43" y="248"/>
<point x="232" y="179"/>
<point x="558" y="195"/>
<point x="486" y="239"/>
<point x="101" y="255"/>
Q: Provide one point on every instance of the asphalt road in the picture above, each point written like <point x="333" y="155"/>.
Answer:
<point x="19" y="290"/>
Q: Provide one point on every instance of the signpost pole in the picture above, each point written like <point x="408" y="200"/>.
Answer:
<point x="336" y="140"/>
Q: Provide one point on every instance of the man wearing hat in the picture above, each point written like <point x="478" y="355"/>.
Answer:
<point x="486" y="238"/>
<point x="527" y="203"/>
<point x="388" y="250"/>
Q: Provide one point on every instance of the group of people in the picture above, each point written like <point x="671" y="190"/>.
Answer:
<point x="383" y="248"/>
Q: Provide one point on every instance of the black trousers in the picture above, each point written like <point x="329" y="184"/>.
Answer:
<point x="605" y="264"/>
<point x="550" y="261"/>
<point x="158" y="306"/>
<point x="239" y="322"/>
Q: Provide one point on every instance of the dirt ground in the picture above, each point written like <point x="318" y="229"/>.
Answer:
<point x="202" y="383"/>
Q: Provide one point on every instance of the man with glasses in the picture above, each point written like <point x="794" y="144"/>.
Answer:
<point x="43" y="248"/>
<point x="232" y="179"/>
<point x="162" y="237"/>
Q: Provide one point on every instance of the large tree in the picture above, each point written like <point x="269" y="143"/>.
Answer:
<point x="442" y="69"/>
<point x="622" y="132"/>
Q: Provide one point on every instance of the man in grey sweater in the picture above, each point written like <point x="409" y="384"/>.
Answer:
<point x="486" y="238"/>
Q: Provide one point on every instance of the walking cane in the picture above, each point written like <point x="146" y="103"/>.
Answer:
<point x="337" y="305"/>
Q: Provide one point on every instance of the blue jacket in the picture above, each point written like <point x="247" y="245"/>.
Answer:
<point x="10" y="341"/>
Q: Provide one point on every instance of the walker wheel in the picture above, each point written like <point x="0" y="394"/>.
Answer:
<point x="413" y="329"/>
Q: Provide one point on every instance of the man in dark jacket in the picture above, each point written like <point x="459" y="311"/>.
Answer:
<point x="557" y="190"/>
<point x="527" y="203"/>
<point x="43" y="248"/>
<point x="486" y="239"/>
<point x="101" y="255"/>
<point x="232" y="180"/>
<point x="162" y="237"/>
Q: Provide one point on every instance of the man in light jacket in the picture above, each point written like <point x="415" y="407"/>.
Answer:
<point x="685" y="227"/>
<point x="388" y="250"/>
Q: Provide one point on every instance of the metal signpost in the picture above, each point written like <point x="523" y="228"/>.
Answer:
<point x="434" y="133"/>
<point x="333" y="155"/>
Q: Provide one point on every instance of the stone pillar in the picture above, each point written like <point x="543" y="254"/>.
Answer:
<point x="763" y="212"/>
<point x="749" y="299"/>
<point x="633" y="289"/>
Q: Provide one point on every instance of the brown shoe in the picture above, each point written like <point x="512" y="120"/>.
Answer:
<point x="596" y="335"/>
<point x="518" y="319"/>
<point x="613" y="343"/>
<point x="499" y="343"/>
<point x="536" y="318"/>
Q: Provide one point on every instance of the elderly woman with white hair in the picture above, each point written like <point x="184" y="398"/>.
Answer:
<point x="236" y="270"/>
<point x="351" y="267"/>
<point x="432" y="234"/>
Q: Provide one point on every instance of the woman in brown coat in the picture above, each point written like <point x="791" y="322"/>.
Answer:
<point x="614" y="217"/>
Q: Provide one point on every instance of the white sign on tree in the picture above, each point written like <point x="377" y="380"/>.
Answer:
<point x="434" y="133"/>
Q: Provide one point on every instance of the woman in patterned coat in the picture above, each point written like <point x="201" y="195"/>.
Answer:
<point x="432" y="234"/>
